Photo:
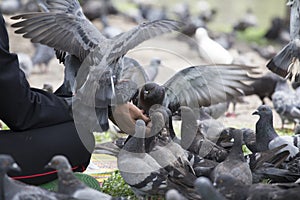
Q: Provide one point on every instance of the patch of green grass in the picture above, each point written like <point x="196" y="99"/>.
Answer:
<point x="253" y="35"/>
<point x="117" y="187"/>
<point x="4" y="126"/>
<point x="246" y="150"/>
<point x="285" y="131"/>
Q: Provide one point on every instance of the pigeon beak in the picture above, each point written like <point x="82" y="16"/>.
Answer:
<point x="16" y="167"/>
<point x="255" y="112"/>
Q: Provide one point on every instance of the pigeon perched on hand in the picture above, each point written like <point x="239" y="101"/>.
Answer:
<point x="266" y="136"/>
<point x="197" y="86"/>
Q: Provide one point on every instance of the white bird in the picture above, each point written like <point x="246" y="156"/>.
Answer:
<point x="211" y="51"/>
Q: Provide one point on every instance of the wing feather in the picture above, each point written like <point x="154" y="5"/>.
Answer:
<point x="206" y="85"/>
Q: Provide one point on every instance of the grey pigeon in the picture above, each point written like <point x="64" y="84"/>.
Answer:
<point x="196" y="86"/>
<point x="108" y="30"/>
<point x="205" y="188"/>
<point x="233" y="189"/>
<point x="42" y="56"/>
<point x="68" y="184"/>
<point x="14" y="190"/>
<point x="95" y="9"/>
<point x="146" y="176"/>
<point x="248" y="20"/>
<point x="168" y="153"/>
<point x="66" y="29"/>
<point x="286" y="103"/>
<point x="200" y="137"/>
<point x="235" y="164"/>
<point x="150" y="12"/>
<point x="9" y="7"/>
<point x="266" y="136"/>
<point x="153" y="175"/>
<point x="152" y="69"/>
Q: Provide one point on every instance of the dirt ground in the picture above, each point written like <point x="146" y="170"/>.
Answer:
<point x="174" y="54"/>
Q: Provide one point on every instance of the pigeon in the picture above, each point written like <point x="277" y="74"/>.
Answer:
<point x="286" y="62"/>
<point x="266" y="136"/>
<point x="95" y="9"/>
<point x="196" y="140"/>
<point x="205" y="188"/>
<point x="249" y="20"/>
<point x="168" y="153"/>
<point x="235" y="164"/>
<point x="196" y="86"/>
<point x="233" y="189"/>
<point x="274" y="32"/>
<point x="261" y="89"/>
<point x="68" y="183"/>
<point x="14" y="190"/>
<point x="211" y="51"/>
<point x="152" y="69"/>
<point x="151" y="13"/>
<point x="286" y="103"/>
<point x="66" y="29"/>
<point x="42" y="56"/>
<point x="9" y="7"/>
<point x="147" y="177"/>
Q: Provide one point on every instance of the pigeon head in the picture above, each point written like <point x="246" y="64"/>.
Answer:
<point x="151" y="94"/>
<point x="59" y="162"/>
<point x="201" y="33"/>
<point x="7" y="163"/>
<point x="155" y="62"/>
<point x="263" y="111"/>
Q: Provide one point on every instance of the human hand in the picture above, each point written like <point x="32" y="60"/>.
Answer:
<point x="125" y="116"/>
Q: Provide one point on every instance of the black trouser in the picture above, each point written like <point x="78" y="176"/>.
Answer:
<point x="40" y="123"/>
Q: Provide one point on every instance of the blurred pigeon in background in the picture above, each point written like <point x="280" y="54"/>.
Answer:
<point x="42" y="56"/>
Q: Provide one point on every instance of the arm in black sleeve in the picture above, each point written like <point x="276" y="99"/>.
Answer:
<point x="22" y="107"/>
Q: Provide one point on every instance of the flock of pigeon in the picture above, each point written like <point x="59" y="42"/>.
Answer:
<point x="207" y="161"/>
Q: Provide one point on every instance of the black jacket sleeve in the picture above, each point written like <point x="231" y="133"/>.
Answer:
<point x="22" y="107"/>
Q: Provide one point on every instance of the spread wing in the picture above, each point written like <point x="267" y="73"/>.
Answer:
<point x="144" y="31"/>
<point x="64" y="28"/>
<point x="206" y="85"/>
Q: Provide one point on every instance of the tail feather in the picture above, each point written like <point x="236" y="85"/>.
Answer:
<point x="282" y="63"/>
